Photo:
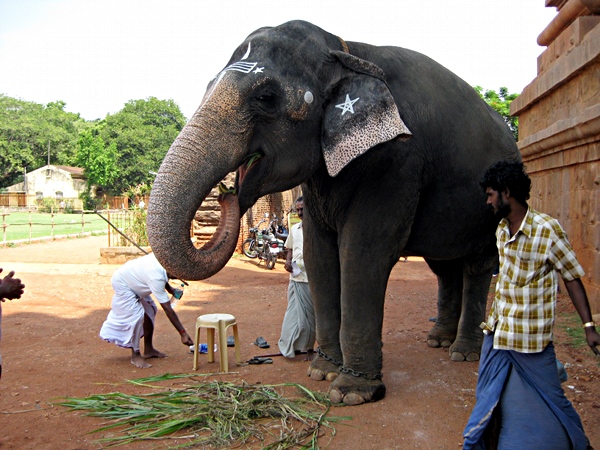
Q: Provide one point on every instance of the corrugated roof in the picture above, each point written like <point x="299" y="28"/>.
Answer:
<point x="76" y="172"/>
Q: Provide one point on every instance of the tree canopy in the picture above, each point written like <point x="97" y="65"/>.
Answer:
<point x="142" y="131"/>
<point x="29" y="132"/>
<point x="116" y="153"/>
<point x="500" y="101"/>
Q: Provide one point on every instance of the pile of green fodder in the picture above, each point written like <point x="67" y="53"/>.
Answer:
<point x="214" y="414"/>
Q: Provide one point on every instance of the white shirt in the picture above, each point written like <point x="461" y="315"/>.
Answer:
<point x="295" y="242"/>
<point x="145" y="276"/>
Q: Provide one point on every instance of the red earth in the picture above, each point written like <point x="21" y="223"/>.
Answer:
<point x="51" y="349"/>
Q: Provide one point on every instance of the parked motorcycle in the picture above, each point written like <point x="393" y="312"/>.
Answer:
<point x="281" y="233"/>
<point x="263" y="244"/>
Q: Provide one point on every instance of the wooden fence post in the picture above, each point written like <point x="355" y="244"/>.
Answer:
<point x="4" y="225"/>
<point x="30" y="226"/>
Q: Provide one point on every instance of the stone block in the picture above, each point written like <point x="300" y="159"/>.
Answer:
<point x="571" y="37"/>
<point x="120" y="255"/>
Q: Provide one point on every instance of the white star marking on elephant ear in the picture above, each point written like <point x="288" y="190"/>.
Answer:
<point x="348" y="105"/>
<point x="259" y="70"/>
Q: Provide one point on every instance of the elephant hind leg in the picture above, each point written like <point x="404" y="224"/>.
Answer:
<point x="477" y="278"/>
<point x="450" y="287"/>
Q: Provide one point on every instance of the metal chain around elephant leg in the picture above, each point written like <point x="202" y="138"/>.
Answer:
<point x="355" y="373"/>
<point x="328" y="358"/>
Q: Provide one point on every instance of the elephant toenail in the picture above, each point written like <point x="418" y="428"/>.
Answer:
<point x="331" y="376"/>
<point x="353" y="399"/>
<point x="335" y="396"/>
<point x="433" y="343"/>
<point x="456" y="356"/>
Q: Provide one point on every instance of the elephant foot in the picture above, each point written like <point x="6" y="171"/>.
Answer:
<point x="465" y="350"/>
<point x="352" y="390"/>
<point x="321" y="369"/>
<point x="438" y="337"/>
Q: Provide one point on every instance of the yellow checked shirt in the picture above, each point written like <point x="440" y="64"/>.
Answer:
<point x="522" y="313"/>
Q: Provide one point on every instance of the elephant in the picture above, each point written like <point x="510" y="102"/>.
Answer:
<point x="388" y="146"/>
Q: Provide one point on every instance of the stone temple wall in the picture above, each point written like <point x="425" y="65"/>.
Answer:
<point x="559" y="139"/>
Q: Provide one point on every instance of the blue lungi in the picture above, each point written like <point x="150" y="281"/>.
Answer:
<point x="533" y="407"/>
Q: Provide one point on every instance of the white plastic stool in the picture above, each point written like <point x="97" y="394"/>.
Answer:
<point x="220" y="323"/>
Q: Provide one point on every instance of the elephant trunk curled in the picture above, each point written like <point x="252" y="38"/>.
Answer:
<point x="201" y="156"/>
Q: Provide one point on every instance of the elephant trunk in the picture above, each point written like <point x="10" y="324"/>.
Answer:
<point x="201" y="156"/>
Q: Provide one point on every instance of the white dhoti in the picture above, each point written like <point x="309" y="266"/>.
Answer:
<point x="298" y="328"/>
<point x="124" y="325"/>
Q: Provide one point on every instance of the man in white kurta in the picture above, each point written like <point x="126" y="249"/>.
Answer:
<point x="133" y="310"/>
<point x="298" y="328"/>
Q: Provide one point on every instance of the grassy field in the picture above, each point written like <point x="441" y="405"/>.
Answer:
<point x="23" y="225"/>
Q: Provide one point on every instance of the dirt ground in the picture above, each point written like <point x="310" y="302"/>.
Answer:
<point x="51" y="349"/>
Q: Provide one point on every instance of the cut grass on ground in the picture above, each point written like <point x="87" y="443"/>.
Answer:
<point x="215" y="414"/>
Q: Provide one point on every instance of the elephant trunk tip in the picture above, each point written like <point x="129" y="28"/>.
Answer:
<point x="179" y="256"/>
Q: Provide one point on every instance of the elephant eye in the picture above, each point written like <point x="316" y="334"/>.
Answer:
<point x="266" y="102"/>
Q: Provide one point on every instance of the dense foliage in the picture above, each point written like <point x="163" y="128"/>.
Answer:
<point x="116" y="153"/>
<point x="142" y="132"/>
<point x="500" y="101"/>
<point x="29" y="132"/>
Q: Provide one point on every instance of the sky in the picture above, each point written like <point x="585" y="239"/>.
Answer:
<point x="96" y="55"/>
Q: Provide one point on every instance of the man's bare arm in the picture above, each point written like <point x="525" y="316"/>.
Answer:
<point x="580" y="301"/>
<point x="174" y="319"/>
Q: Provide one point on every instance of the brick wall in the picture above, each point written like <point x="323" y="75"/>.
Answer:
<point x="559" y="139"/>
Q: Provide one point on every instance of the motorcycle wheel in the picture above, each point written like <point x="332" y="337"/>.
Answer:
<point x="270" y="261"/>
<point x="249" y="248"/>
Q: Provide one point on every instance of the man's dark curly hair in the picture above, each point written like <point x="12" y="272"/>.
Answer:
<point x="509" y="175"/>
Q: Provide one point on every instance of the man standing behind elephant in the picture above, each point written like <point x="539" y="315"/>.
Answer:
<point x="520" y="402"/>
<point x="133" y="310"/>
<point x="298" y="328"/>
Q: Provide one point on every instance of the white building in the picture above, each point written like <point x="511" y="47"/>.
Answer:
<point x="58" y="182"/>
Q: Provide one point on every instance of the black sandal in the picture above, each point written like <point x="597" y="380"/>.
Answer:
<point x="260" y="342"/>
<point x="258" y="360"/>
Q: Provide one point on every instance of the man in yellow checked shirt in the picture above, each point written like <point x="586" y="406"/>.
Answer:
<point x="520" y="402"/>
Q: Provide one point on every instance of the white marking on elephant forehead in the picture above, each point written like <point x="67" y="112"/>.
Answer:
<point x="207" y="96"/>
<point x="242" y="66"/>
<point x="247" y="51"/>
<point x="348" y="105"/>
<point x="308" y="97"/>
<point x="259" y="70"/>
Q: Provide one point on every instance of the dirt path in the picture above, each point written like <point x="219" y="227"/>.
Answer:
<point x="51" y="349"/>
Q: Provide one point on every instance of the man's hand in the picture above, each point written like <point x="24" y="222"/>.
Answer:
<point x="288" y="261"/>
<point x="10" y="287"/>
<point x="593" y="339"/>
<point x="186" y="339"/>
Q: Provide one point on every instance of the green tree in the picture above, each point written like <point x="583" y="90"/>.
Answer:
<point x="500" y="101"/>
<point x="99" y="162"/>
<point x="29" y="132"/>
<point x="142" y="131"/>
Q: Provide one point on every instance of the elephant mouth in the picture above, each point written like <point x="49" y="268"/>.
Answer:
<point x="249" y="161"/>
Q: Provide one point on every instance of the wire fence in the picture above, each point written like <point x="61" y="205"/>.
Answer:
<point x="29" y="226"/>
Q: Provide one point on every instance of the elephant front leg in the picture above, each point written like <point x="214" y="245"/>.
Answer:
<point x="363" y="293"/>
<point x="322" y="264"/>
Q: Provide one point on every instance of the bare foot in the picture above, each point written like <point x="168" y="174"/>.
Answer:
<point x="153" y="353"/>
<point x="138" y="361"/>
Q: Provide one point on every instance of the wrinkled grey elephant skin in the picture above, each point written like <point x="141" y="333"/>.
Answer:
<point x="389" y="147"/>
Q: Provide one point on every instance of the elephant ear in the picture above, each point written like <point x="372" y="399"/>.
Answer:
<point x="361" y="114"/>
